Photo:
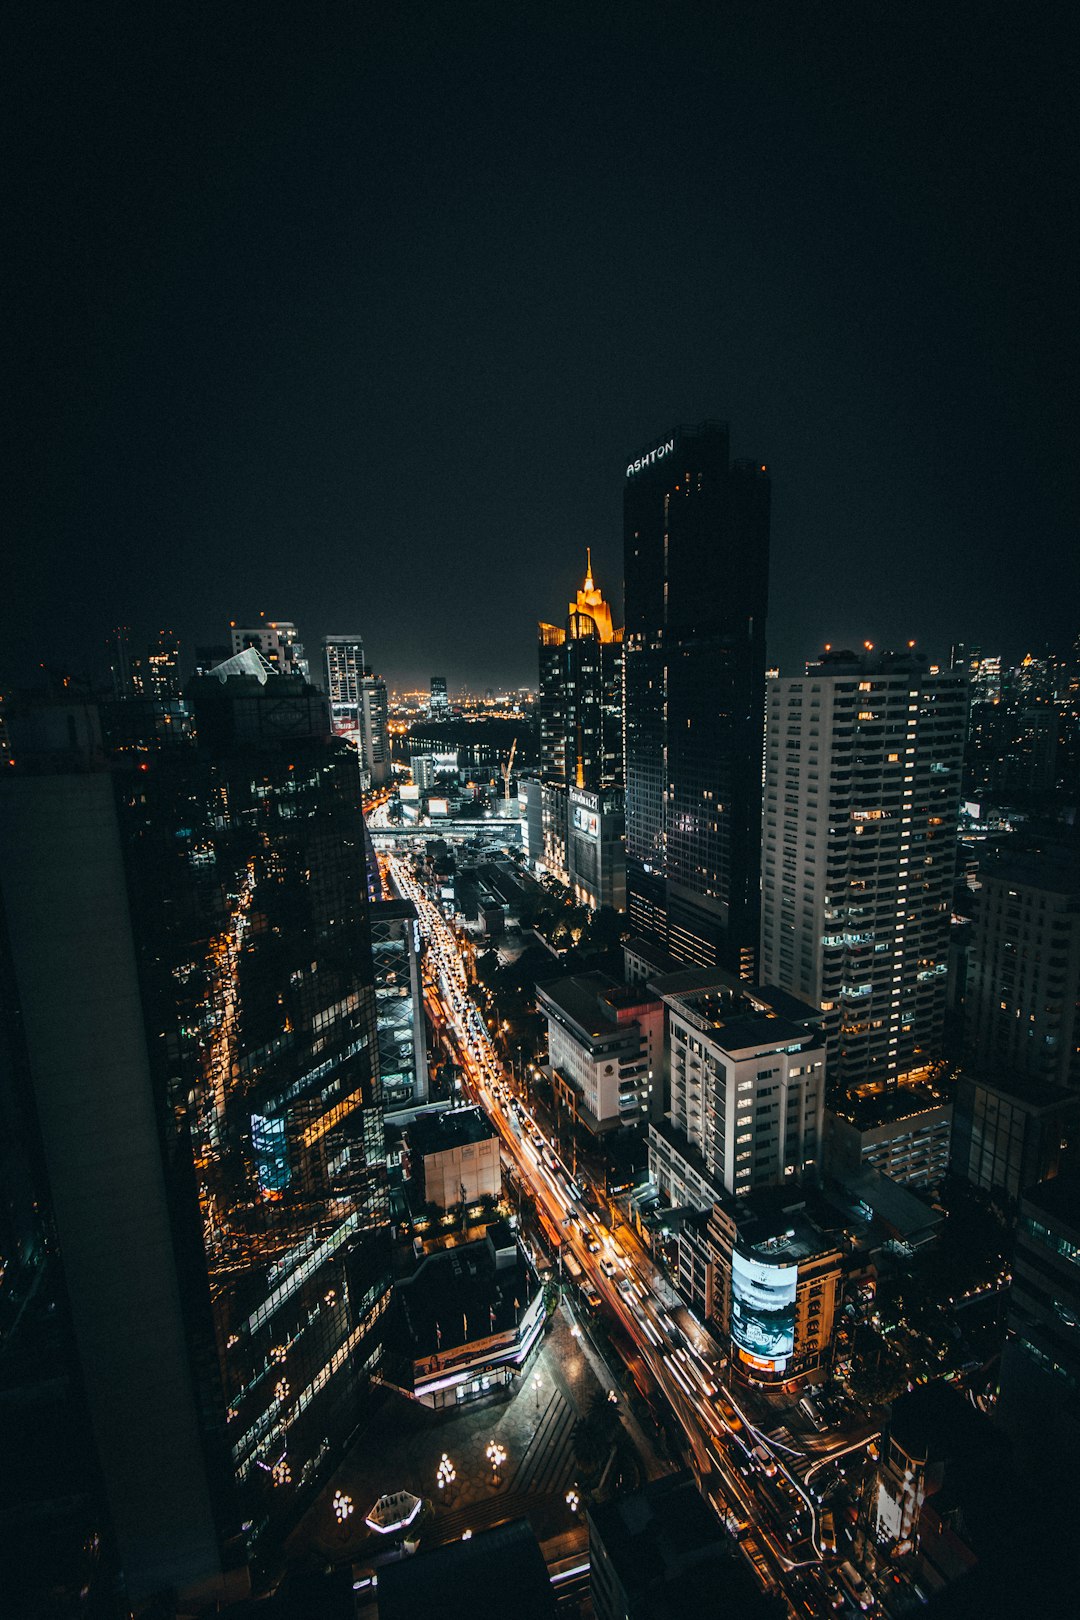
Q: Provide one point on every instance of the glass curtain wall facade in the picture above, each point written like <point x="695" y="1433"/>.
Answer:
<point x="247" y="879"/>
<point x="696" y="565"/>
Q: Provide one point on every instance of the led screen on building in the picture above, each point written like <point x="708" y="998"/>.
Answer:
<point x="763" y="1308"/>
<point x="586" y="821"/>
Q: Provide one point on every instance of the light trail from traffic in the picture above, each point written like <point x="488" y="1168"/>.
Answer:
<point x="684" y="1361"/>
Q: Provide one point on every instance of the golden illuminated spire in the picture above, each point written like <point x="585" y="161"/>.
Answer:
<point x="590" y="603"/>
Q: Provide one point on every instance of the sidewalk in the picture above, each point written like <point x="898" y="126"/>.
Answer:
<point x="402" y="1447"/>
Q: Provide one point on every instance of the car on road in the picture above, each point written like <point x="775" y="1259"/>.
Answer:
<point x="764" y="1461"/>
<point x="606" y="1267"/>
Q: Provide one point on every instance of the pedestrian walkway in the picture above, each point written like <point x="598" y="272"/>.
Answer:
<point x="532" y="1422"/>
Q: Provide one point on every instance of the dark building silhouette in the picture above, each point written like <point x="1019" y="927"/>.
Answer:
<point x="192" y="1010"/>
<point x="696" y="566"/>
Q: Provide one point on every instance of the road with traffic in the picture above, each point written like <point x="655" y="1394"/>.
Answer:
<point x="760" y="1483"/>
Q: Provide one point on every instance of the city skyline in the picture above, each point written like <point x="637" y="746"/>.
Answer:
<point x="540" y="813"/>
<point x="371" y="360"/>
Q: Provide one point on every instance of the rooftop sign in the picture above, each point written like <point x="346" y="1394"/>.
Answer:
<point x="664" y="449"/>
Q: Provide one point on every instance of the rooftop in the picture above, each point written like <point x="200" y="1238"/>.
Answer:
<point x="884" y="1108"/>
<point x="439" y="1129"/>
<point x="1059" y="1199"/>
<point x="461" y="1295"/>
<point x="1053" y="869"/>
<point x="448" y="1581"/>
<point x="591" y="1002"/>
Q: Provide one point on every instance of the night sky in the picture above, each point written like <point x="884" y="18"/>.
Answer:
<point x="355" y="315"/>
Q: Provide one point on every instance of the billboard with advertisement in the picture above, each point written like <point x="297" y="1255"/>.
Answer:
<point x="586" y="821"/>
<point x="763" y="1309"/>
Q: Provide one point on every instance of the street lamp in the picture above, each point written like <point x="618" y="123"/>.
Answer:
<point x="496" y="1456"/>
<point x="536" y="1387"/>
<point x="446" y="1474"/>
<point x="343" y="1506"/>
<point x="573" y="1500"/>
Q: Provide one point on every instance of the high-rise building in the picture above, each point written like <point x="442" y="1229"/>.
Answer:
<point x="747" y="1086"/>
<point x="1009" y="1134"/>
<point x="156" y="675"/>
<point x="1022" y="1005"/>
<point x="278" y="640"/>
<point x="862" y="794"/>
<point x="399" y="1003"/>
<point x="575" y="809"/>
<point x="194" y="1016"/>
<point x="696" y="565"/>
<point x="118" y="652"/>
<point x="1040" y="1364"/>
<point x="343" y="667"/>
<point x="581" y="693"/>
<point x="439" y="704"/>
<point x="359" y="708"/>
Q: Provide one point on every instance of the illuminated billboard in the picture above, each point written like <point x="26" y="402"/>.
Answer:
<point x="586" y="821"/>
<point x="763" y="1309"/>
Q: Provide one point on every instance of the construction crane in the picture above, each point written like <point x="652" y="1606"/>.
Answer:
<point x="507" y="768"/>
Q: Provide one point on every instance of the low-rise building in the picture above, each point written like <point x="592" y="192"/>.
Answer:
<point x="605" y="1049"/>
<point x="776" y="1285"/>
<point x="904" y="1133"/>
<point x="452" y="1157"/>
<point x="942" y="1484"/>
<point x="465" y="1320"/>
<point x="656" y="1551"/>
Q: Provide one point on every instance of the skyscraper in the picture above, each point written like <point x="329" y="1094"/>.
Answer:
<point x="696" y="565"/>
<point x="194" y="1015"/>
<point x="575" y="809"/>
<point x="581" y="693"/>
<point x="862" y="795"/>
<point x="439" y="705"/>
<point x="1022" y="1007"/>
<point x="359" y="709"/>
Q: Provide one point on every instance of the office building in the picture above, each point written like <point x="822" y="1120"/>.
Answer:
<point x="581" y="693"/>
<point x="596" y="846"/>
<point x="277" y="640"/>
<point x="452" y="1158"/>
<point x="905" y="1133"/>
<point x="195" y="1020"/>
<point x="439" y="703"/>
<point x="1010" y="1133"/>
<point x="344" y="669"/>
<point x="747" y="1088"/>
<point x="358" y="706"/>
<point x="942" y="1495"/>
<point x="156" y="675"/>
<point x="605" y="1049"/>
<point x="862" y="796"/>
<point x="1022" y="1007"/>
<point x="771" y="1273"/>
<point x="396" y="950"/>
<point x="696" y="567"/>
<point x="1039" y="1404"/>
<point x="574" y="809"/>
<point x="57" y="1551"/>
<point x="654" y="1552"/>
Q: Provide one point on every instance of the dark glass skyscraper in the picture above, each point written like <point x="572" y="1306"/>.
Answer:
<point x="696" y="566"/>
<point x="193" y="1009"/>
